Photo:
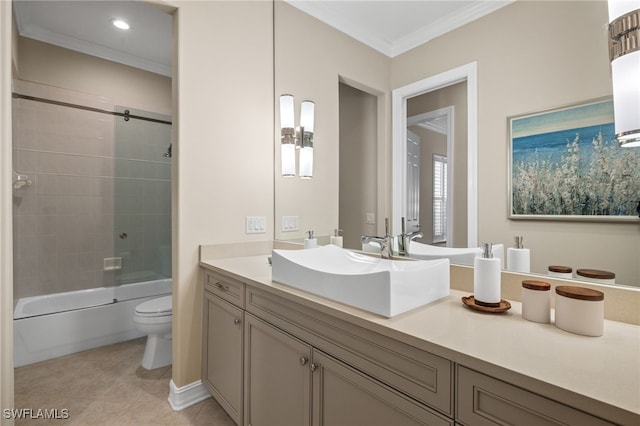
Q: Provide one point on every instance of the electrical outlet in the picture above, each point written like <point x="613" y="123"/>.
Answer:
<point x="256" y="225"/>
<point x="290" y="223"/>
<point x="370" y="219"/>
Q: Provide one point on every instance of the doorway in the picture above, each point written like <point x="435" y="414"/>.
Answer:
<point x="400" y="98"/>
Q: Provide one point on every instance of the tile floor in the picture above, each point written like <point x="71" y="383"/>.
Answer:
<point x="107" y="386"/>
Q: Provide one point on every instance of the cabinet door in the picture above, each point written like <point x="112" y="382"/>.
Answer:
<point x="277" y="376"/>
<point x="222" y="354"/>
<point x="485" y="401"/>
<point x="344" y="396"/>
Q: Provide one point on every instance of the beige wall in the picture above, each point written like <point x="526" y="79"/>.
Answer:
<point x="223" y="168"/>
<point x="55" y="66"/>
<point x="311" y="59"/>
<point x="532" y="56"/>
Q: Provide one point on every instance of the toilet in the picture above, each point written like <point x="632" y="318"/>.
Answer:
<point x="153" y="318"/>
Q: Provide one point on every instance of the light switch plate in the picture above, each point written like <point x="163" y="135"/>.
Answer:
<point x="290" y="223"/>
<point x="256" y="225"/>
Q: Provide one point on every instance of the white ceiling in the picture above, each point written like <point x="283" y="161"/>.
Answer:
<point x="391" y="27"/>
<point x="395" y="26"/>
<point x="86" y="26"/>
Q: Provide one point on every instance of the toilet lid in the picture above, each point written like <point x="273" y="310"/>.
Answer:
<point x="159" y="306"/>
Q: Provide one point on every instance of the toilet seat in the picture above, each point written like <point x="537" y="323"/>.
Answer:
<point x="160" y="307"/>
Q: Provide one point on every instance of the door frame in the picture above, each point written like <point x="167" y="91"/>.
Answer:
<point x="448" y="132"/>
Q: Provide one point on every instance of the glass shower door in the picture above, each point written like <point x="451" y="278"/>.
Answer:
<point x="142" y="197"/>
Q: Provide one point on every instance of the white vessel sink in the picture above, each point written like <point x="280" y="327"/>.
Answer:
<point x="382" y="286"/>
<point x="459" y="256"/>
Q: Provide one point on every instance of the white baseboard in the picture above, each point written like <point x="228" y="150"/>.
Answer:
<point x="188" y="395"/>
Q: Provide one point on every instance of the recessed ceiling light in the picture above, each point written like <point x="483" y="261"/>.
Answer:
<point x="119" y="23"/>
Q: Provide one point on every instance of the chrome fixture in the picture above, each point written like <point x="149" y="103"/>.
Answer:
<point x="168" y="153"/>
<point x="300" y="138"/>
<point x="386" y="248"/>
<point x="624" y="53"/>
<point x="405" y="238"/>
<point x="20" y="181"/>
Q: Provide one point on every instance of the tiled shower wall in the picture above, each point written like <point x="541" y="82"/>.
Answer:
<point x="94" y="179"/>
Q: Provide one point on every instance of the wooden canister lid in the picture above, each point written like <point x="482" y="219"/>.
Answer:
<point x="536" y="285"/>
<point x="580" y="293"/>
<point x="596" y="273"/>
<point x="561" y="269"/>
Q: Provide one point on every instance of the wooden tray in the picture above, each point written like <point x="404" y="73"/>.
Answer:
<point x="471" y="303"/>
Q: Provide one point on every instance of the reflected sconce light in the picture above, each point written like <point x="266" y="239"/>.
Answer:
<point x="296" y="139"/>
<point x="624" y="53"/>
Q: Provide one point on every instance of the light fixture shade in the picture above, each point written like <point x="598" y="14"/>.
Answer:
<point x="306" y="162"/>
<point x="626" y="98"/>
<point x="288" y="159"/>
<point x="306" y="115"/>
<point x="286" y="112"/>
<point x="624" y="34"/>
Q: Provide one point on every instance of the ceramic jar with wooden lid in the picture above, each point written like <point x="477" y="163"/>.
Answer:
<point x="580" y="310"/>
<point x="596" y="276"/>
<point x="560" y="271"/>
<point x="536" y="301"/>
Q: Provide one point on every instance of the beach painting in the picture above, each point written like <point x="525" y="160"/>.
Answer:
<point x="565" y="164"/>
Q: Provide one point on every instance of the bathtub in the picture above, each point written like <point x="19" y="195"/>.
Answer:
<point x="59" y="324"/>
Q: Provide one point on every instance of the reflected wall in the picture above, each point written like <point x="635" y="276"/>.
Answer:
<point x="311" y="59"/>
<point x="520" y="70"/>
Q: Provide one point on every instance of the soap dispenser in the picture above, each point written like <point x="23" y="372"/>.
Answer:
<point x="518" y="257"/>
<point x="310" y="241"/>
<point x="336" y="238"/>
<point x="486" y="278"/>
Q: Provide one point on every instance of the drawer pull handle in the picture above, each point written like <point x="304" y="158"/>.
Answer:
<point x="304" y="360"/>
<point x="236" y="321"/>
<point x="221" y="286"/>
<point x="314" y="366"/>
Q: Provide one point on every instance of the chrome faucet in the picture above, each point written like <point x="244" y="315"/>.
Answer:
<point x="405" y="238"/>
<point x="386" y="247"/>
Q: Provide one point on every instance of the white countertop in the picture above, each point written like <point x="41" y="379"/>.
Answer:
<point x="600" y="375"/>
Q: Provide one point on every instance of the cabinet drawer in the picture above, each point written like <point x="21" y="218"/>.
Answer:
<point x="483" y="400"/>
<point x="423" y="376"/>
<point x="226" y="288"/>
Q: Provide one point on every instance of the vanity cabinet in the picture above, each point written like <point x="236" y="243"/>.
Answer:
<point x="289" y="382"/>
<point x="271" y="358"/>
<point x="222" y="343"/>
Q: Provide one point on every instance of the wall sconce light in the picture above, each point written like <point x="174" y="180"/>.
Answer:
<point x="624" y="53"/>
<point x="293" y="139"/>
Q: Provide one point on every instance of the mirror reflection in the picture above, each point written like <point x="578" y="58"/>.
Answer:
<point x="437" y="166"/>
<point x="538" y="74"/>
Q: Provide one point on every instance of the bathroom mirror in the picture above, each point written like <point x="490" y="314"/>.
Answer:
<point x="503" y="92"/>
